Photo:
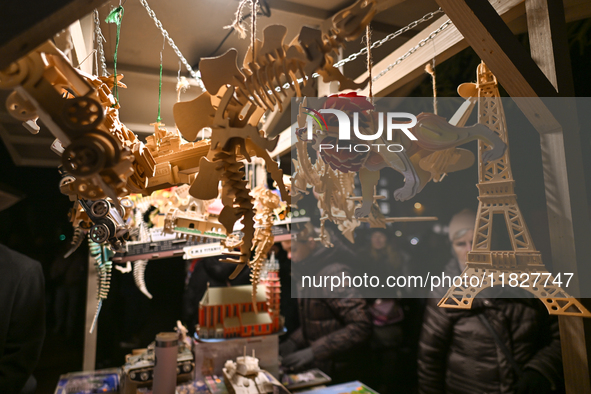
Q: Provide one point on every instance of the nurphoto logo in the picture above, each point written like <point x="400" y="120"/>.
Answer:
<point x="344" y="127"/>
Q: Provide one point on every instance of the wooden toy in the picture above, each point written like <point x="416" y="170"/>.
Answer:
<point x="140" y="366"/>
<point x="236" y="99"/>
<point x="497" y="200"/>
<point x="73" y="105"/>
<point x="333" y="186"/>
<point x="244" y="376"/>
<point x="139" y="277"/>
<point x="229" y="312"/>
<point x="103" y="266"/>
<point x="266" y="202"/>
<point x="435" y="148"/>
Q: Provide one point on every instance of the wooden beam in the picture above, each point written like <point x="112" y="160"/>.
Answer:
<point x="548" y="43"/>
<point x="26" y="25"/>
<point x="494" y="43"/>
<point x="446" y="44"/>
<point x="564" y="180"/>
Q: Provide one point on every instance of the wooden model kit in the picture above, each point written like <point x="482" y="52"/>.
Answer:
<point x="266" y="203"/>
<point x="244" y="376"/>
<point x="232" y="312"/>
<point x="497" y="201"/>
<point x="138" y="370"/>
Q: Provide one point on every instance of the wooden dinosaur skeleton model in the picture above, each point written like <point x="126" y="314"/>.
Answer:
<point x="497" y="200"/>
<point x="266" y="203"/>
<point x="236" y="99"/>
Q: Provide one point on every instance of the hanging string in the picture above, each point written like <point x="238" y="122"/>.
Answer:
<point x="158" y="119"/>
<point x="369" y="60"/>
<point x="115" y="17"/>
<point x="430" y="69"/>
<point x="253" y="27"/>
<point x="237" y="24"/>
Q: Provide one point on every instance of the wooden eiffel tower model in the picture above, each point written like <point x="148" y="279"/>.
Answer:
<point x="498" y="200"/>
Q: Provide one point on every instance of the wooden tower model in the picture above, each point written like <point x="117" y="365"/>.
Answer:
<point x="497" y="201"/>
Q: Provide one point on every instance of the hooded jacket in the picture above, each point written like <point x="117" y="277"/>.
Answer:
<point x="458" y="354"/>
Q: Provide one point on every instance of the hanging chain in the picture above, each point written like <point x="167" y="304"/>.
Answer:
<point x="176" y="50"/>
<point x="99" y="38"/>
<point x="389" y="37"/>
<point x="421" y="43"/>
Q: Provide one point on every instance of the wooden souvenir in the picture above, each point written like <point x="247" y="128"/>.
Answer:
<point x="497" y="200"/>
<point x="435" y="148"/>
<point x="236" y="99"/>
<point x="266" y="202"/>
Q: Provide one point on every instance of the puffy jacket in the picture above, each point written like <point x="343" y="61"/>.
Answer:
<point x="335" y="328"/>
<point x="458" y="354"/>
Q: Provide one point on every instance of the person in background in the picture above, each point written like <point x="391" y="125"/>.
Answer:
<point x="333" y="331"/>
<point x="389" y="344"/>
<point x="501" y="345"/>
<point x="22" y="320"/>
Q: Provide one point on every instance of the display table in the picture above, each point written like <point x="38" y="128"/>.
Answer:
<point x="106" y="381"/>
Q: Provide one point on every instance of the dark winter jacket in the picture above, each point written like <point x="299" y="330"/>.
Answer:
<point x="22" y="318"/>
<point x="458" y="354"/>
<point x="335" y="328"/>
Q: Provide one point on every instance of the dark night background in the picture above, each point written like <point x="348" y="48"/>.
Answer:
<point x="34" y="226"/>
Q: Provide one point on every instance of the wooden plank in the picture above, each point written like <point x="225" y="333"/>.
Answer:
<point x="548" y="43"/>
<point x="564" y="181"/>
<point x="494" y="43"/>
<point x="27" y="24"/>
<point x="446" y="44"/>
<point x="81" y="51"/>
